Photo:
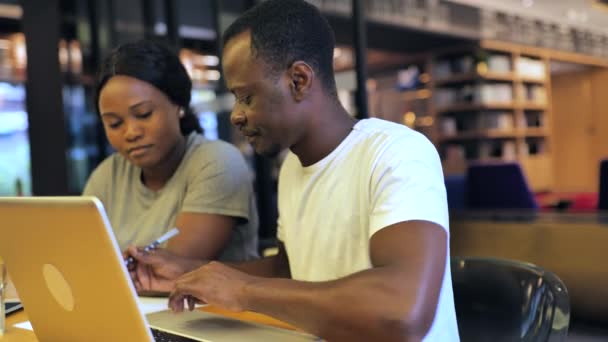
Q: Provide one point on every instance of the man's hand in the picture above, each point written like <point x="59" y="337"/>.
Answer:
<point x="158" y="269"/>
<point x="213" y="283"/>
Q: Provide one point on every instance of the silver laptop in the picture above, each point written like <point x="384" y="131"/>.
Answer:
<point x="67" y="267"/>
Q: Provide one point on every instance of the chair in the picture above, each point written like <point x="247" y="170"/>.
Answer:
<point x="501" y="300"/>
<point x="603" y="190"/>
<point x="455" y="186"/>
<point x="498" y="186"/>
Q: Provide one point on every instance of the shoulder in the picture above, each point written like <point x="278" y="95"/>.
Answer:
<point x="387" y="131"/>
<point x="392" y="140"/>
<point x="217" y="151"/>
<point x="112" y="171"/>
<point x="113" y="166"/>
<point x="203" y="153"/>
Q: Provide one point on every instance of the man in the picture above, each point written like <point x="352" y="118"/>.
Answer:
<point x="363" y="222"/>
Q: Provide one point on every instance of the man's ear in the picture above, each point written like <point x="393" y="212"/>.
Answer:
<point x="301" y="77"/>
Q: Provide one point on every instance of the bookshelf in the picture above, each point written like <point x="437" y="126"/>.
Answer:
<point x="493" y="104"/>
<point x="495" y="109"/>
<point x="475" y="104"/>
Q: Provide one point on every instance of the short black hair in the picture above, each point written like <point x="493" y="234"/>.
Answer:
<point x="156" y="64"/>
<point x="284" y="31"/>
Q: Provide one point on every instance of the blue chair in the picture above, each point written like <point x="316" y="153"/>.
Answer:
<point x="603" y="190"/>
<point x="498" y="186"/>
<point x="502" y="300"/>
<point x="455" y="186"/>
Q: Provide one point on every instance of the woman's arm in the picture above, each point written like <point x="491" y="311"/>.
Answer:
<point x="202" y="236"/>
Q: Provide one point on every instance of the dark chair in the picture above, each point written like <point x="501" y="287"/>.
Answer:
<point x="501" y="300"/>
<point x="603" y="190"/>
<point x="498" y="186"/>
<point x="456" y="186"/>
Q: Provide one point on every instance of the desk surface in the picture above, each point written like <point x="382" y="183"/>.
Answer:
<point x="16" y="334"/>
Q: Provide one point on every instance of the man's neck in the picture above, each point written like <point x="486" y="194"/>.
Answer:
<point x="325" y="133"/>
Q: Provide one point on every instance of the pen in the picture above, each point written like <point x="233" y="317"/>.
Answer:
<point x="130" y="260"/>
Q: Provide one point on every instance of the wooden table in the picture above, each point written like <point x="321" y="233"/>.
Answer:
<point x="573" y="246"/>
<point x="11" y="333"/>
<point x="16" y="334"/>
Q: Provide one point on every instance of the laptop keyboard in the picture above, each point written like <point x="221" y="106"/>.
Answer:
<point x="163" y="336"/>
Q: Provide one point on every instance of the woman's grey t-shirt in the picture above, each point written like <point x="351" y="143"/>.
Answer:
<point x="212" y="178"/>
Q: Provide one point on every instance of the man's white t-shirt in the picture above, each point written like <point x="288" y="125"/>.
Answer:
<point x="381" y="174"/>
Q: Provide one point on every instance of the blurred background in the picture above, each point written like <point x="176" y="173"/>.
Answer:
<point x="513" y="93"/>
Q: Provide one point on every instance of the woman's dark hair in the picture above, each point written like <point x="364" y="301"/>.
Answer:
<point x="156" y="64"/>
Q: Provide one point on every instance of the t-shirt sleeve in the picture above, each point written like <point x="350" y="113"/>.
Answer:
<point x="219" y="182"/>
<point x="407" y="184"/>
<point x="98" y="183"/>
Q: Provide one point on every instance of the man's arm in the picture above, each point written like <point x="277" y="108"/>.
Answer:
<point x="158" y="269"/>
<point x="395" y="300"/>
<point x="276" y="266"/>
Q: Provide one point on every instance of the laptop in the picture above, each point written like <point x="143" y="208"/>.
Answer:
<point x="67" y="267"/>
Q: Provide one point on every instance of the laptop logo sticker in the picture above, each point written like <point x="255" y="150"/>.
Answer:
<point x="58" y="286"/>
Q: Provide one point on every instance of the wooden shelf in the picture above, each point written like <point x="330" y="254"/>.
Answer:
<point x="417" y="94"/>
<point x="534" y="106"/>
<point x="482" y="134"/>
<point x="531" y="132"/>
<point x="475" y="76"/>
<point x="465" y="107"/>
<point x="516" y="141"/>
<point x="472" y="107"/>
<point x="534" y="132"/>
<point x="489" y="160"/>
<point x="544" y="53"/>
<point x="530" y="80"/>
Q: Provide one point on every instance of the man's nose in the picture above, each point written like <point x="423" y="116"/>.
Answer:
<point x="238" y="118"/>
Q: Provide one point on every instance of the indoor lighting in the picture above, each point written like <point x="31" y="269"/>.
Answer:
<point x="212" y="75"/>
<point x="409" y="118"/>
<point x="425" y="121"/>
<point x="337" y="52"/>
<point x="208" y="60"/>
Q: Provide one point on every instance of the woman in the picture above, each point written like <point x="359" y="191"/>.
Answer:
<point x="164" y="173"/>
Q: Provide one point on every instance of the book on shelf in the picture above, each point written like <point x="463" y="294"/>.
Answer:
<point x="498" y="149"/>
<point x="497" y="120"/>
<point x="482" y="62"/>
<point x="474" y="94"/>
<point x="448" y="126"/>
<point x="499" y="63"/>
<point x="534" y="93"/>
<point x="530" y="68"/>
<point x="491" y="93"/>
<point x="533" y="120"/>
